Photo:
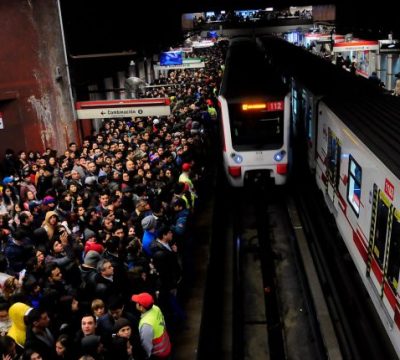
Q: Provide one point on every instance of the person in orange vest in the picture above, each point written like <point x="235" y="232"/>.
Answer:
<point x="153" y="333"/>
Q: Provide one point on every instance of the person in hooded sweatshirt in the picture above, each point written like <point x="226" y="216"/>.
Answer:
<point x="50" y="224"/>
<point x="17" y="312"/>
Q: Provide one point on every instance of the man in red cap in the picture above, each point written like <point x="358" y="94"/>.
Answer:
<point x="153" y="333"/>
<point x="184" y="177"/>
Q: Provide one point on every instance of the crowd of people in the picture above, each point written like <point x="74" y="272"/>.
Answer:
<point x="96" y="243"/>
<point x="246" y="16"/>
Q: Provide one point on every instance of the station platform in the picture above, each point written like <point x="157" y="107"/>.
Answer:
<point x="186" y="338"/>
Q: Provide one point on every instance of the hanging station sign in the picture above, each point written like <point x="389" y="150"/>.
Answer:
<point x="102" y="109"/>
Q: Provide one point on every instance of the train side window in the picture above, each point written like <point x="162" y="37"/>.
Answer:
<point x="354" y="185"/>
<point x="393" y="266"/>
<point x="380" y="230"/>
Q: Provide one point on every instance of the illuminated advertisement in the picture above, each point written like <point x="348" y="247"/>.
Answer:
<point x="171" y="58"/>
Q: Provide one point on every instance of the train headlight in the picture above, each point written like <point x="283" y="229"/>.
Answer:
<point x="237" y="158"/>
<point x="279" y="155"/>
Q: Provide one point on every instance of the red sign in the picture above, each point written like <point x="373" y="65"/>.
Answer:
<point x="389" y="189"/>
<point x="275" y="106"/>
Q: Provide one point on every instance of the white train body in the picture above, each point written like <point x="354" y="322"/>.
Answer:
<point x="364" y="197"/>
<point x="240" y="160"/>
<point x="350" y="134"/>
<point x="255" y="116"/>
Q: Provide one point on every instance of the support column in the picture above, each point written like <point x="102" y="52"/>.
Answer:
<point x="389" y="74"/>
<point x="378" y="65"/>
<point x="132" y="69"/>
<point x="146" y="70"/>
<point x="149" y="76"/>
<point x="121" y="84"/>
<point x="109" y="84"/>
<point x="155" y="73"/>
<point x="93" y="95"/>
<point x="141" y="69"/>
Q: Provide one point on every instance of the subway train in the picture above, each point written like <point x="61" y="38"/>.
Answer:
<point x="351" y="131"/>
<point x="255" y="114"/>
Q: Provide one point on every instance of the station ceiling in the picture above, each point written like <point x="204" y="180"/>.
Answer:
<point x="95" y="27"/>
<point x="121" y="25"/>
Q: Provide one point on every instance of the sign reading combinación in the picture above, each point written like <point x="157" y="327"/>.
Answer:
<point x="122" y="108"/>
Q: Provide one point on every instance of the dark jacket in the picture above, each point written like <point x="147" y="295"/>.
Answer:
<point x="17" y="255"/>
<point x="44" y="344"/>
<point x="180" y="226"/>
<point x="104" y="288"/>
<point x="88" y="284"/>
<point x="105" y="326"/>
<point x="44" y="183"/>
<point x="27" y="232"/>
<point x="167" y="265"/>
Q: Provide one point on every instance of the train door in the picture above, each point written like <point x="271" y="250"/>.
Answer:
<point x="383" y="264"/>
<point x="295" y="108"/>
<point x="392" y="268"/>
<point x="310" y="129"/>
<point x="333" y="164"/>
<point x="301" y="125"/>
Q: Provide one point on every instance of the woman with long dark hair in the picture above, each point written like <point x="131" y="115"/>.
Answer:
<point x="10" y="199"/>
<point x="63" y="348"/>
<point x="9" y="349"/>
<point x="23" y="159"/>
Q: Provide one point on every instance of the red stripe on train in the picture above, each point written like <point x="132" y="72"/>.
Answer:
<point x="342" y="203"/>
<point x="362" y="237"/>
<point x="360" y="246"/>
<point x="397" y="317"/>
<point x="390" y="295"/>
<point x="377" y="270"/>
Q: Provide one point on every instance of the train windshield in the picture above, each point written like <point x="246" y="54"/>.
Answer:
<point x="260" y="128"/>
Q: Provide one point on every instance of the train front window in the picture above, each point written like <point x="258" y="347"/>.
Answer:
<point x="258" y="128"/>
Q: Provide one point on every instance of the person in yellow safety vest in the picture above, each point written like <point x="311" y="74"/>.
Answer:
<point x="189" y="197"/>
<point x="181" y="191"/>
<point x="184" y="177"/>
<point x="212" y="111"/>
<point x="153" y="333"/>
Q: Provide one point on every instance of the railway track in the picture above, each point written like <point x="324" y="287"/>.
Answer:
<point x="359" y="331"/>
<point x="272" y="290"/>
<point x="276" y="302"/>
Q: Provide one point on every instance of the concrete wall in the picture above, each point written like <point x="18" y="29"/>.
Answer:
<point x="35" y="101"/>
